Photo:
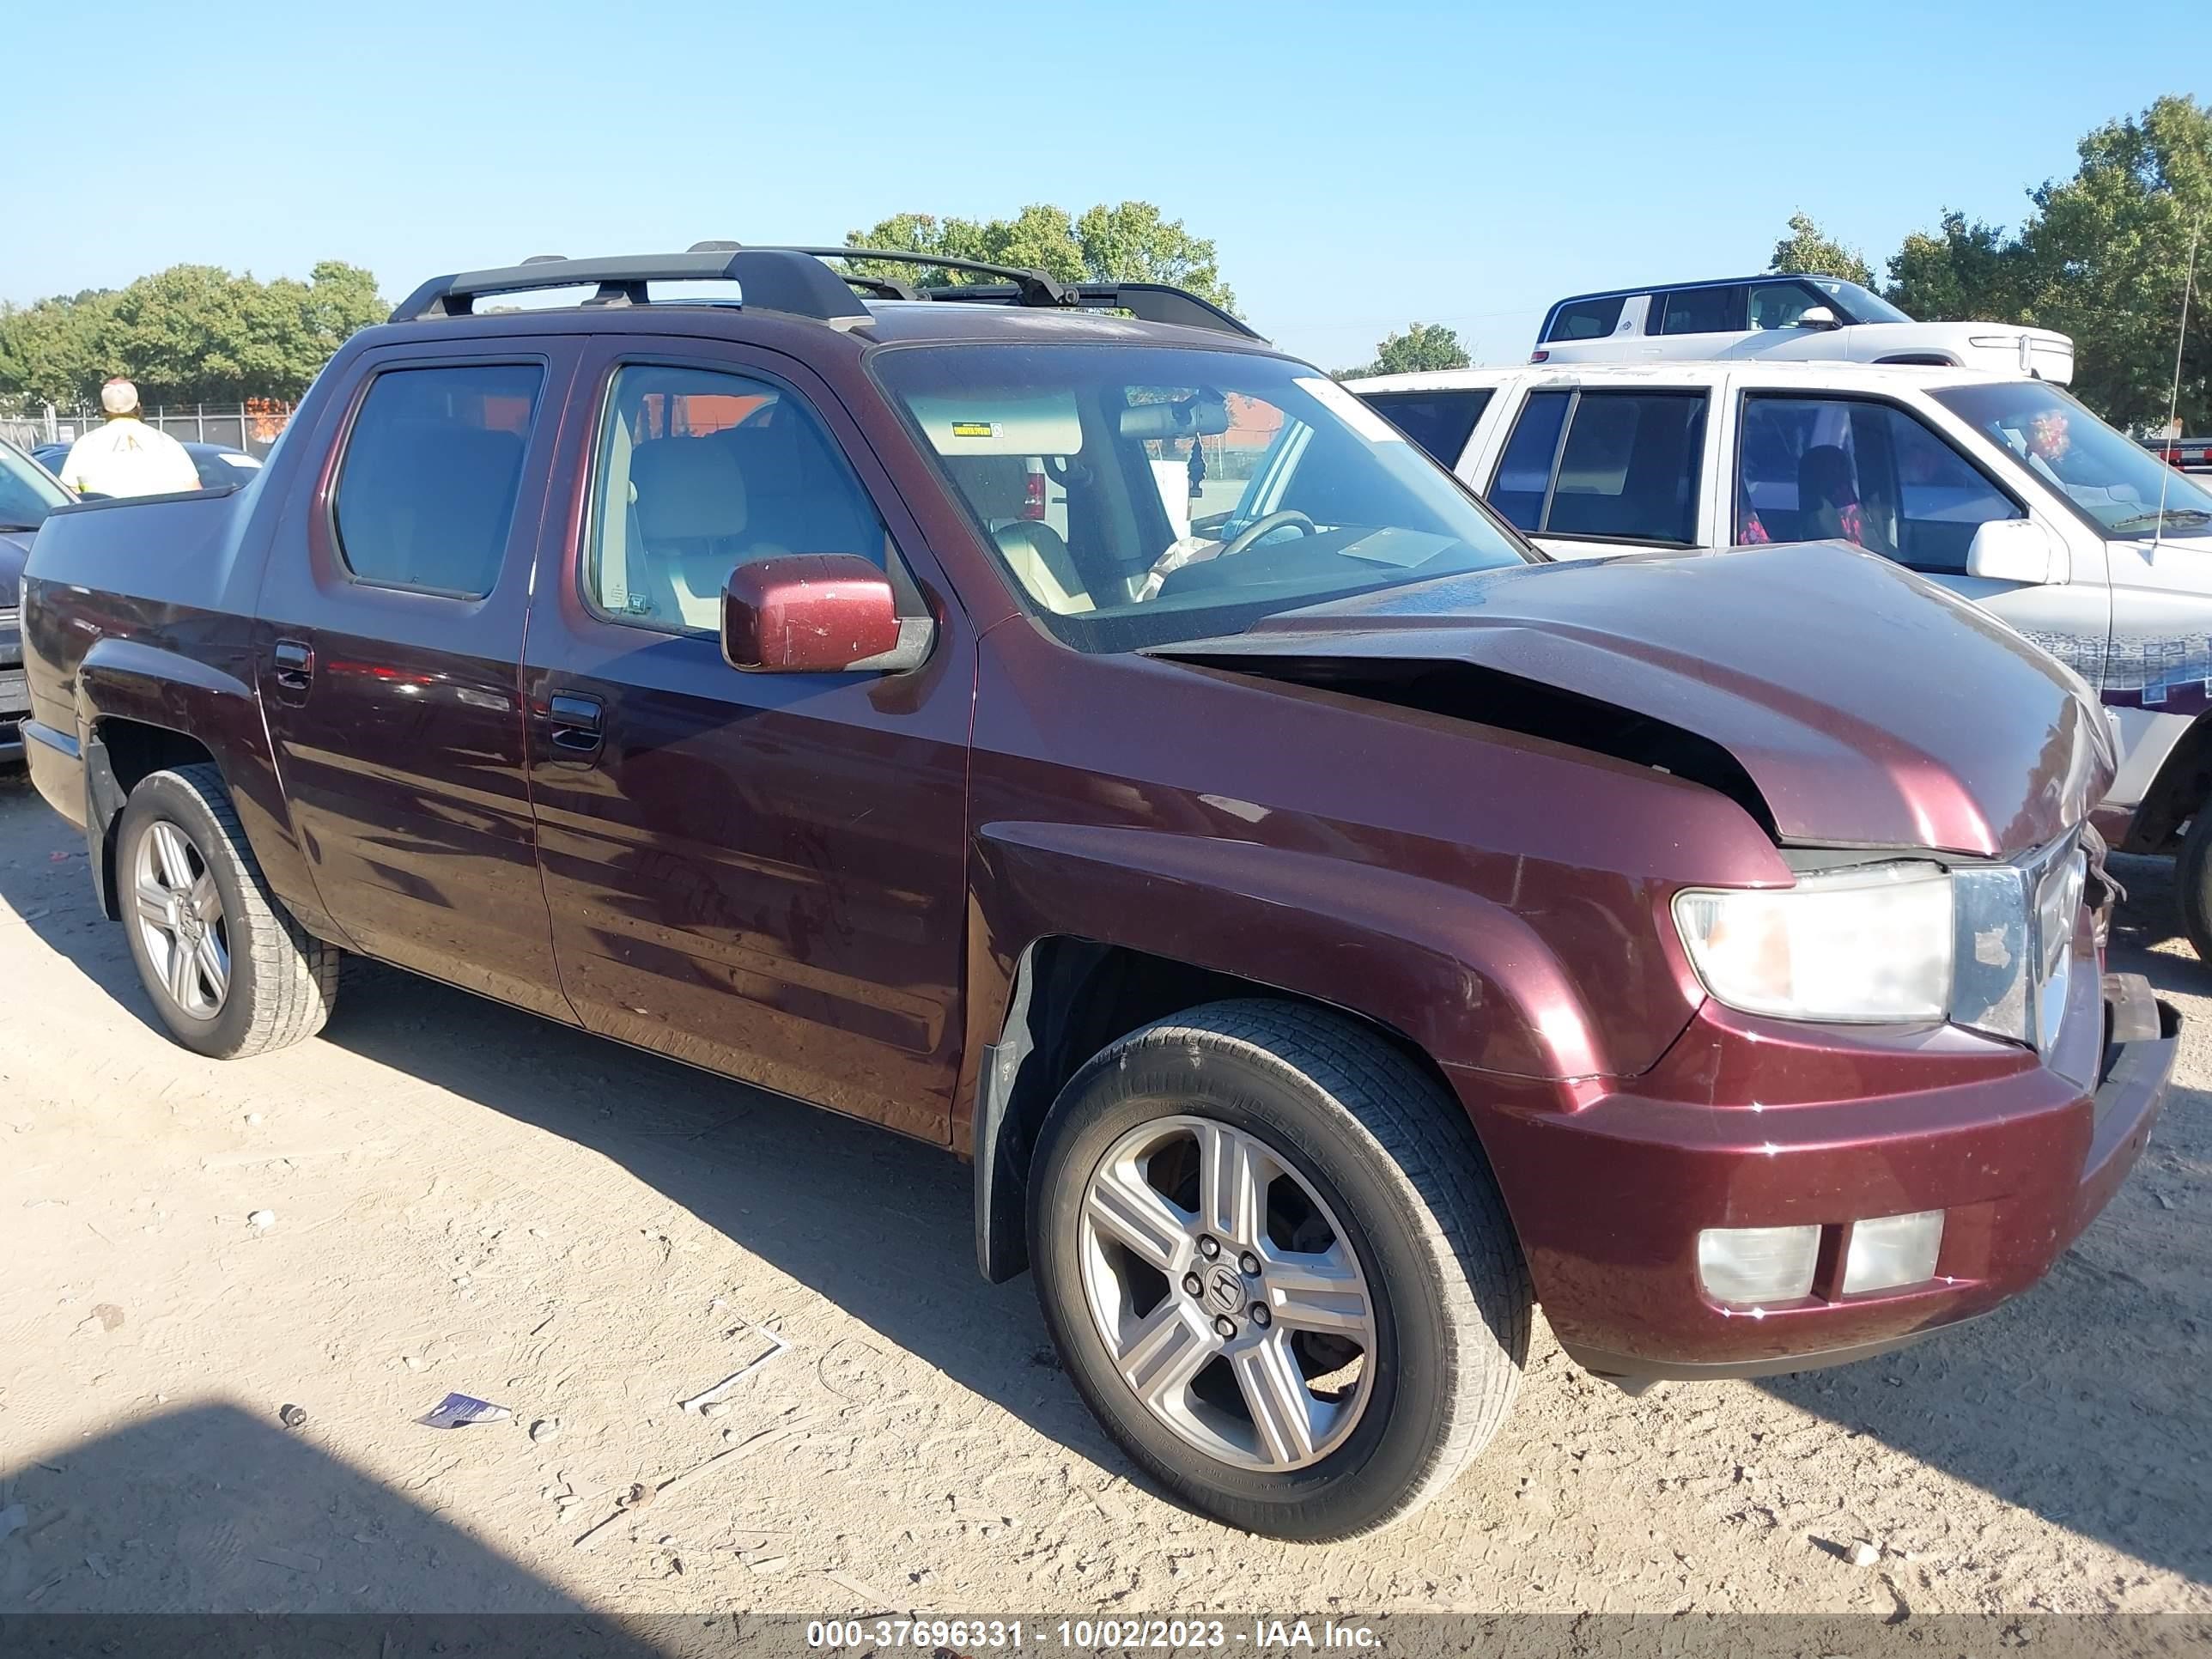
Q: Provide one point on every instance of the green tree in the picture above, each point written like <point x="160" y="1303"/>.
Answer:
<point x="1957" y="272"/>
<point x="189" y="334"/>
<point x="1422" y="346"/>
<point x="1807" y="251"/>
<point x="1131" y="242"/>
<point x="2104" y="256"/>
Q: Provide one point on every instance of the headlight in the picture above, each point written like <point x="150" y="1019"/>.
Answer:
<point x="1873" y="944"/>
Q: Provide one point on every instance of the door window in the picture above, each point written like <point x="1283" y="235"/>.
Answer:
<point x="1779" y="305"/>
<point x="1819" y="469"/>
<point x="425" y="494"/>
<point x="1627" y="471"/>
<point x="1440" y="421"/>
<point x="700" y="471"/>
<point x="1701" y="310"/>
<point x="1524" y="472"/>
<point x="1586" y="319"/>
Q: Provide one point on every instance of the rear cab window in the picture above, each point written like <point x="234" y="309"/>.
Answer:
<point x="1439" y="420"/>
<point x="425" y="493"/>
<point x="1605" y="466"/>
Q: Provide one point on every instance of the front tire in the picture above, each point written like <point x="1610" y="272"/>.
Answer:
<point x="230" y="972"/>
<point x="2192" y="882"/>
<point x="1276" y="1268"/>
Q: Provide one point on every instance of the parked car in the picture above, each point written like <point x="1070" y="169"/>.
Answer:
<point x="1328" y="924"/>
<point x="1785" y="316"/>
<point x="27" y="494"/>
<point x="2007" y="491"/>
<point x="218" y="464"/>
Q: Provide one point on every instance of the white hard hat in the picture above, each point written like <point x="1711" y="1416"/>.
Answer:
<point x="118" y="397"/>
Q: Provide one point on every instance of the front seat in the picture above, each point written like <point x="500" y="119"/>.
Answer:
<point x="691" y="521"/>
<point x="1039" y="559"/>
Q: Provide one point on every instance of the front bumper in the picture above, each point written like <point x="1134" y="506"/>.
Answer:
<point x="1750" y="1123"/>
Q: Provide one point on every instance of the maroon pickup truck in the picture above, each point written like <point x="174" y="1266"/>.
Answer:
<point x="1054" y="725"/>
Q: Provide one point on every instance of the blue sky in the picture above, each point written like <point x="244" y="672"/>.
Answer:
<point x="1358" y="166"/>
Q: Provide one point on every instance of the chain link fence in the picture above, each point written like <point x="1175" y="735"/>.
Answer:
<point x="251" y="426"/>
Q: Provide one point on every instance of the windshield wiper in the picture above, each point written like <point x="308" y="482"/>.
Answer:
<point x="2172" y="516"/>
<point x="11" y="528"/>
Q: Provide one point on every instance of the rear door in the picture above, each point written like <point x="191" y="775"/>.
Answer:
<point x="1695" y="323"/>
<point x="389" y="648"/>
<point x="1589" y="471"/>
<point x="763" y="874"/>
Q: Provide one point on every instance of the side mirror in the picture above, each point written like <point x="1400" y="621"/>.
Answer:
<point x="2015" y="551"/>
<point x="1817" y="316"/>
<point x="818" y="613"/>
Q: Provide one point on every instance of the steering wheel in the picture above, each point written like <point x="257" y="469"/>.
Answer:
<point x="1259" y="527"/>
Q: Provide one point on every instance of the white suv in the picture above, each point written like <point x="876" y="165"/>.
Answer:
<point x="2002" y="489"/>
<point x="1789" y="316"/>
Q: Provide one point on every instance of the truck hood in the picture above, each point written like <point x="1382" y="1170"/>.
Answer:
<point x="14" y="549"/>
<point x="1863" y="705"/>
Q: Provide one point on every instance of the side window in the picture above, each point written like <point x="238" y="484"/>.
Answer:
<point x="1779" y="305"/>
<point x="699" y="471"/>
<point x="1440" y="422"/>
<point x="425" y="493"/>
<point x="1630" y="467"/>
<point x="1524" y="471"/>
<point x="1699" y="311"/>
<point x="1628" y="470"/>
<point x="1585" y="320"/>
<point x="1813" y="469"/>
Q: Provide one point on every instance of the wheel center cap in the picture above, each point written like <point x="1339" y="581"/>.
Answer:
<point x="1224" y="1290"/>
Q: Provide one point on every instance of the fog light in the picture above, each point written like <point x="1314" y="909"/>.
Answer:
<point x="1892" y="1250"/>
<point x="1752" y="1264"/>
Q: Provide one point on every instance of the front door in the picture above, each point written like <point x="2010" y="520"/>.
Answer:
<point x="763" y="874"/>
<point x="389" y="654"/>
<point x="1823" y="467"/>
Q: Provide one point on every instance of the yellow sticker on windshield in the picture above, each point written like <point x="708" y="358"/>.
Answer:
<point x="974" y="428"/>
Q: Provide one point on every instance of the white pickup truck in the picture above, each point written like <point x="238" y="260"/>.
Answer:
<point x="2004" y="489"/>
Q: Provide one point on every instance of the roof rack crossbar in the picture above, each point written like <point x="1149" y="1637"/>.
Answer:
<point x="775" y="279"/>
<point x="1153" y="303"/>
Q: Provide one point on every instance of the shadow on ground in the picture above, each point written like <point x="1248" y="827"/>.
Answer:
<point x="211" y="1508"/>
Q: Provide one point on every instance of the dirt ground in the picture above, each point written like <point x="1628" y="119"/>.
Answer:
<point x="464" y="1198"/>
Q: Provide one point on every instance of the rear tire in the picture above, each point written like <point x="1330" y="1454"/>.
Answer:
<point x="230" y="973"/>
<point x="1397" y="1303"/>
<point x="2192" y="882"/>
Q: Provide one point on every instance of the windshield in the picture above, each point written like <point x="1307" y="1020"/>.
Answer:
<point x="1854" y="304"/>
<point x="26" y="494"/>
<point x="2112" y="481"/>
<point x="1138" y="496"/>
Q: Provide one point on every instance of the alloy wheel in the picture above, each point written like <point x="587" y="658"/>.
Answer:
<point x="1227" y="1293"/>
<point x="181" y="921"/>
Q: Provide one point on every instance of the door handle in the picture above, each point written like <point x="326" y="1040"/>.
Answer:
<point x="294" y="661"/>
<point x="577" y="722"/>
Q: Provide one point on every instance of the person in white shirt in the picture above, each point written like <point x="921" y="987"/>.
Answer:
<point x="126" y="457"/>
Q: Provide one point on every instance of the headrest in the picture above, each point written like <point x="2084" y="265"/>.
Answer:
<point x="688" y="490"/>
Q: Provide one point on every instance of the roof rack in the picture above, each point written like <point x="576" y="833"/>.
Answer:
<point x="795" y="280"/>
<point x="775" y="278"/>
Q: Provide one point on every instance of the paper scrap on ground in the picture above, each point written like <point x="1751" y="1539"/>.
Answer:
<point x="458" y="1411"/>
<point x="707" y="1397"/>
